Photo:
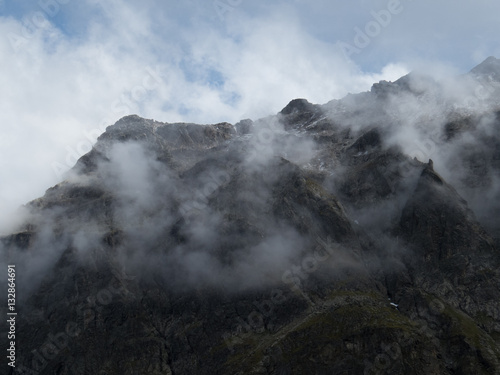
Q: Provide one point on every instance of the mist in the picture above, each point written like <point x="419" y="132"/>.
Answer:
<point x="206" y="205"/>
<point x="451" y="119"/>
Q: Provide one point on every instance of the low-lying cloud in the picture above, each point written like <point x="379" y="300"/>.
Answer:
<point x="63" y="87"/>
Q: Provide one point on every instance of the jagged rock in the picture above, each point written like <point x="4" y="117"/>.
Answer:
<point x="489" y="69"/>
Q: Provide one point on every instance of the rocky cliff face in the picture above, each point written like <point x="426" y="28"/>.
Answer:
<point x="321" y="240"/>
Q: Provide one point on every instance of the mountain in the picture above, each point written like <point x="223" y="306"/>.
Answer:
<point x="356" y="237"/>
<point x="488" y="69"/>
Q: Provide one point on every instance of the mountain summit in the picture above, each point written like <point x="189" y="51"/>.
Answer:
<point x="356" y="237"/>
<point x="489" y="68"/>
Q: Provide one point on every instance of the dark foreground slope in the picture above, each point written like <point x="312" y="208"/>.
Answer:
<point x="310" y="242"/>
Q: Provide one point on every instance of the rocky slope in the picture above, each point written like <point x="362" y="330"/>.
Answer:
<point x="321" y="240"/>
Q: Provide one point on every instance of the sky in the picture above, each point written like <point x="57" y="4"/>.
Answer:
<point x="70" y="68"/>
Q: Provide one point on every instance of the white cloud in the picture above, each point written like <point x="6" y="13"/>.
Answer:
<point x="58" y="88"/>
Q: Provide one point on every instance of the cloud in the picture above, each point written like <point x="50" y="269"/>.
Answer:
<point x="442" y="116"/>
<point x="82" y="66"/>
<point x="68" y="88"/>
<point x="140" y="200"/>
<point x="64" y="89"/>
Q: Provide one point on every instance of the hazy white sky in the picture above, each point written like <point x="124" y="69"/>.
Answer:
<point x="69" y="68"/>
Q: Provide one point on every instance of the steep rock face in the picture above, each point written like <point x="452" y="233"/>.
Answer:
<point x="454" y="260"/>
<point x="436" y="219"/>
<point x="309" y="242"/>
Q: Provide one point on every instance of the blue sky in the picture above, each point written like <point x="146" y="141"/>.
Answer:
<point x="69" y="68"/>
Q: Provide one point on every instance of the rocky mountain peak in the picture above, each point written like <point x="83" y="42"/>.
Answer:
<point x="298" y="105"/>
<point x="489" y="69"/>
